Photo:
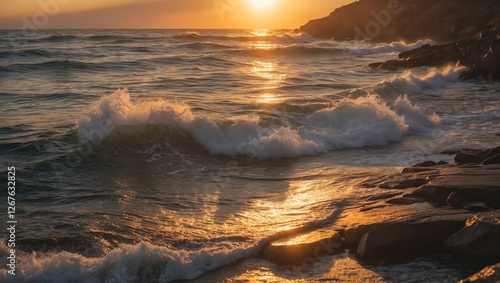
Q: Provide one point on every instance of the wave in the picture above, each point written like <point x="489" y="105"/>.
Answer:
<point x="60" y="38"/>
<point x="142" y="262"/>
<point x="349" y="123"/>
<point x="285" y="38"/>
<point x="293" y="50"/>
<point x="387" y="48"/>
<point x="26" y="53"/>
<point x="410" y="82"/>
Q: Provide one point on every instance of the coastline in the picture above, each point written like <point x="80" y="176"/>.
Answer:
<point x="447" y="213"/>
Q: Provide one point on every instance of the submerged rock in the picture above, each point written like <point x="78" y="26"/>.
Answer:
<point x="480" y="237"/>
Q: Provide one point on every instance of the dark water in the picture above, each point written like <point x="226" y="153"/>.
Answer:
<point x="161" y="155"/>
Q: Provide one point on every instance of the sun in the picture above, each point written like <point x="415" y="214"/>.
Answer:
<point x="262" y="4"/>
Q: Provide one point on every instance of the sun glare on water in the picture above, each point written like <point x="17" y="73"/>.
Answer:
<point x="262" y="4"/>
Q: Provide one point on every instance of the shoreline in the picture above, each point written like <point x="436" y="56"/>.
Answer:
<point x="427" y="210"/>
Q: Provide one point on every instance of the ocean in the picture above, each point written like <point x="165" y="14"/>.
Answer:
<point x="162" y="155"/>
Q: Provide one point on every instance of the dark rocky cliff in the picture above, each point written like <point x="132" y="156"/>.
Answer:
<point x="407" y="20"/>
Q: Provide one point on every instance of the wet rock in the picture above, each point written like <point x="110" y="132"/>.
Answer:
<point x="400" y="241"/>
<point x="425" y="164"/>
<point x="492" y="152"/>
<point x="487" y="68"/>
<point x="305" y="248"/>
<point x="473" y="184"/>
<point x="489" y="274"/>
<point x="416" y="169"/>
<point x="492" y="160"/>
<point x="454" y="200"/>
<point x="404" y="184"/>
<point x="467" y="158"/>
<point x="443" y="163"/>
<point x="358" y="223"/>
<point x="476" y="207"/>
<point x="480" y="237"/>
<point x="404" y="200"/>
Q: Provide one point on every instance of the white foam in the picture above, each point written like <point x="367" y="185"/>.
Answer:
<point x="374" y="48"/>
<point x="410" y="82"/>
<point x="350" y="123"/>
<point x="142" y="262"/>
<point x="294" y="38"/>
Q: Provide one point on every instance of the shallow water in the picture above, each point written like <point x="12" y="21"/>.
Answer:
<point x="162" y="155"/>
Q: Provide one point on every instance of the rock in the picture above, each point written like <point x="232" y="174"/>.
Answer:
<point x="492" y="160"/>
<point x="476" y="207"/>
<point x="487" y="68"/>
<point x="479" y="238"/>
<point x="304" y="248"/>
<point x="489" y="274"/>
<point x="357" y="223"/>
<point x="407" y="20"/>
<point x="404" y="184"/>
<point x="416" y="170"/>
<point x="467" y="158"/>
<point x="400" y="241"/>
<point x="425" y="164"/>
<point x="473" y="184"/>
<point x="492" y="152"/>
<point x="454" y="200"/>
<point x="443" y="163"/>
<point x="404" y="200"/>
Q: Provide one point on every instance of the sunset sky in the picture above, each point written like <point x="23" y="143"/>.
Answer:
<point x="231" y="14"/>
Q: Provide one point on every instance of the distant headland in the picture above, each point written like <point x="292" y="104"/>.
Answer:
<point x="469" y="32"/>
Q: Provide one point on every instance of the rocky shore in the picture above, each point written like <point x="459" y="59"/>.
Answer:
<point x="469" y="32"/>
<point x="481" y="56"/>
<point x="426" y="209"/>
<point x="407" y="20"/>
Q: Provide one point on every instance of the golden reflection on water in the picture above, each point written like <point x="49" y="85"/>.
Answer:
<point x="271" y="77"/>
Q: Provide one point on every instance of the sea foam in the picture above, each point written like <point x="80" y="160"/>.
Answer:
<point x="349" y="123"/>
<point x="143" y="262"/>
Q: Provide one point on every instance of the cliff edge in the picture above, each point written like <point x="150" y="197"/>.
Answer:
<point x="407" y="20"/>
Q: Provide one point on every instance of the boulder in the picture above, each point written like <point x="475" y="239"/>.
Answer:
<point x="479" y="238"/>
<point x="304" y="248"/>
<point x="402" y="241"/>
<point x="489" y="274"/>
<point x="487" y="68"/>
<point x="454" y="200"/>
<point x="357" y="223"/>
<point x="492" y="160"/>
<point x="475" y="184"/>
<point x="425" y="164"/>
<point x="467" y="158"/>
<point x="492" y="152"/>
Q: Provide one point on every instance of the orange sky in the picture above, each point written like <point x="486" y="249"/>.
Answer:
<point x="230" y="14"/>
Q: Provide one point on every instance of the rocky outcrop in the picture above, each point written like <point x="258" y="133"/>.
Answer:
<point x="304" y="248"/>
<point x="481" y="56"/>
<point x="479" y="238"/>
<point x="400" y="241"/>
<point x="490" y="274"/>
<point x="407" y="20"/>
